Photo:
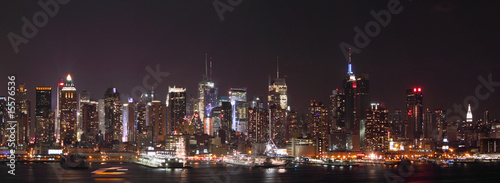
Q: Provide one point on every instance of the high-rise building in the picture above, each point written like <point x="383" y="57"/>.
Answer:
<point x="176" y="104"/>
<point x="376" y="138"/>
<point x="318" y="125"/>
<point x="42" y="111"/>
<point x="238" y="97"/>
<point x="357" y="101"/>
<point x="128" y="117"/>
<point x="113" y="118"/>
<point x="226" y="130"/>
<point x="278" y="106"/>
<point x="67" y="111"/>
<point x="258" y="123"/>
<point x="84" y="98"/>
<point x="414" y="115"/>
<point x="207" y="98"/>
<point x="101" y="113"/>
<point x="90" y="121"/>
<point x="396" y="124"/>
<point x="471" y="136"/>
<point x="157" y="119"/>
<point x="337" y="110"/>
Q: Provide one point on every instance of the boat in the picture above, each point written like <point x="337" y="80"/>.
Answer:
<point x="111" y="172"/>
<point x="160" y="161"/>
<point x="74" y="160"/>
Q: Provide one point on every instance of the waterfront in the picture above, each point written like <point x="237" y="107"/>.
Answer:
<point x="210" y="172"/>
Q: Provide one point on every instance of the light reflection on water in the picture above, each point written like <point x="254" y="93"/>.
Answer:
<point x="52" y="172"/>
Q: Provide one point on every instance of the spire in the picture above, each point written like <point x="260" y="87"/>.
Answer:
<point x="469" y="114"/>
<point x="277" y="67"/>
<point x="210" y="68"/>
<point x="349" y="66"/>
<point x="206" y="67"/>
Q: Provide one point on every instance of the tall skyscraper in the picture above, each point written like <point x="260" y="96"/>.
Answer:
<point x="113" y="119"/>
<point x="90" y="121"/>
<point x="67" y="110"/>
<point x="258" y="123"/>
<point x="84" y="98"/>
<point x="377" y="129"/>
<point x="317" y="124"/>
<point x="278" y="105"/>
<point x="414" y="115"/>
<point x="207" y="98"/>
<point x="176" y="104"/>
<point x="357" y="102"/>
<point x="157" y="119"/>
<point x="129" y="118"/>
<point x="238" y="97"/>
<point x="337" y="111"/>
<point x="42" y="111"/>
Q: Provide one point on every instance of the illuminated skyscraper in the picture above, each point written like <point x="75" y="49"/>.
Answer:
<point x="43" y="106"/>
<point x="377" y="129"/>
<point x="317" y="124"/>
<point x="23" y="115"/>
<point x="337" y="113"/>
<point x="207" y="98"/>
<point x="128" y="117"/>
<point x="414" y="115"/>
<point x="238" y="97"/>
<point x="258" y="123"/>
<point x="357" y="102"/>
<point x="113" y="119"/>
<point x="176" y="104"/>
<point x="278" y="105"/>
<point x="157" y="119"/>
<point x="90" y="121"/>
<point x="84" y="98"/>
<point x="67" y="110"/>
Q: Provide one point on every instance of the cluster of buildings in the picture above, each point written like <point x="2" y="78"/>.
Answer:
<point x="210" y="123"/>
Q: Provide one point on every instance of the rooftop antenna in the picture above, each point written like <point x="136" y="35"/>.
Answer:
<point x="206" y="67"/>
<point x="210" y="68"/>
<point x="349" y="66"/>
<point x="277" y="67"/>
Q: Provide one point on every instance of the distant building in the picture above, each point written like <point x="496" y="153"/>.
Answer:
<point x="376" y="138"/>
<point x="318" y="125"/>
<point x="357" y="101"/>
<point x="113" y="116"/>
<point x="238" y="97"/>
<point x="157" y="119"/>
<point x="176" y="104"/>
<point x="278" y="106"/>
<point x="44" y="131"/>
<point x="414" y="115"/>
<point x="68" y="110"/>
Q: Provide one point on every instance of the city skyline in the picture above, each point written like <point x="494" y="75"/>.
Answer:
<point x="312" y="62"/>
<point x="257" y="91"/>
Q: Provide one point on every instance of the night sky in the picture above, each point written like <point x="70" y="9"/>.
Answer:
<point x="442" y="46"/>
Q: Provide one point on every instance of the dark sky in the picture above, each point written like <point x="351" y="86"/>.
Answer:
<point x="441" y="46"/>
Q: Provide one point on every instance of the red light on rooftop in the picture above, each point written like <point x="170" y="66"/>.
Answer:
<point x="61" y="84"/>
<point x="419" y="89"/>
<point x="414" y="89"/>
